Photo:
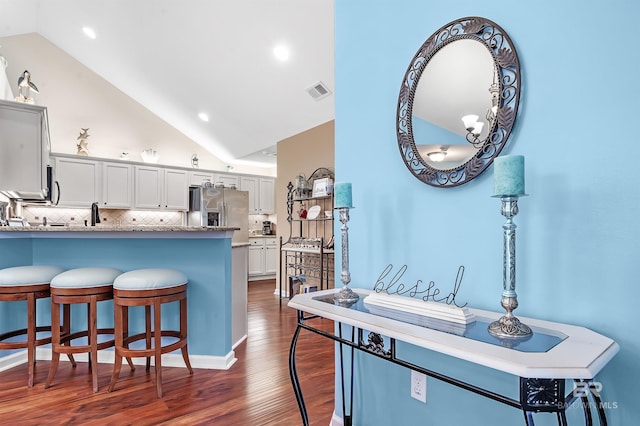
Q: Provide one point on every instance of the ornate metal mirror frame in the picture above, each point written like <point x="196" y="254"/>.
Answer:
<point x="507" y="70"/>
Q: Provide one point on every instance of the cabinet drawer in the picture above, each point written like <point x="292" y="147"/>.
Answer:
<point x="256" y="241"/>
<point x="271" y="241"/>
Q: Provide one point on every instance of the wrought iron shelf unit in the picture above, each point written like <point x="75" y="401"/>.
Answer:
<point x="307" y="256"/>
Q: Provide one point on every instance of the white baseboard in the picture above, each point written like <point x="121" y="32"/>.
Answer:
<point x="261" y="277"/>
<point x="240" y="340"/>
<point x="13" y="360"/>
<point x="168" y="360"/>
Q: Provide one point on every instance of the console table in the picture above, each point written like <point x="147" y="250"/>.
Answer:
<point x="555" y="353"/>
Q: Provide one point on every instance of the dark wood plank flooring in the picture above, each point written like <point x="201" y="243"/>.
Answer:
<point x="256" y="390"/>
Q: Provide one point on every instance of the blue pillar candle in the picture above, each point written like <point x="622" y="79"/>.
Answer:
<point x="342" y="195"/>
<point x="508" y="175"/>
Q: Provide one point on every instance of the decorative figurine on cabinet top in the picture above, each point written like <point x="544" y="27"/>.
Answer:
<point x="25" y="86"/>
<point x="83" y="148"/>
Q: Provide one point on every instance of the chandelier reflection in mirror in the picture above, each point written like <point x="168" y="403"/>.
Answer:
<point x="474" y="127"/>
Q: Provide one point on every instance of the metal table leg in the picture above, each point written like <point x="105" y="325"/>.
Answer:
<point x="294" y="374"/>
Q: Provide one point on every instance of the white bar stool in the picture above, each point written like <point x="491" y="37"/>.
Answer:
<point x="81" y="285"/>
<point x="149" y="287"/>
<point x="27" y="283"/>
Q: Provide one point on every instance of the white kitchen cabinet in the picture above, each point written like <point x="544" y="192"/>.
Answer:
<point x="176" y="189"/>
<point x="267" y="196"/>
<point x="117" y="186"/>
<point x="160" y="188"/>
<point x="250" y="184"/>
<point x="256" y="257"/>
<point x="79" y="181"/>
<point x="227" y="180"/>
<point x="271" y="256"/>
<point x="263" y="257"/>
<point x="148" y="188"/>
<point x="261" y="194"/>
<point x="198" y="178"/>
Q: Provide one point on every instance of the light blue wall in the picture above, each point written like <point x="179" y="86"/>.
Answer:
<point x="578" y="256"/>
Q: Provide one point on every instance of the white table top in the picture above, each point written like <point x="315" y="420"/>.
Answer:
<point x="580" y="356"/>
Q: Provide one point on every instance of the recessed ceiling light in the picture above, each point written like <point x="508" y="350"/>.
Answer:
<point x="281" y="52"/>
<point x="89" y="32"/>
<point x="203" y="116"/>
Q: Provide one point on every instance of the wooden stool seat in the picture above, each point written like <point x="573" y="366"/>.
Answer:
<point x="149" y="288"/>
<point x="27" y="283"/>
<point x="81" y="285"/>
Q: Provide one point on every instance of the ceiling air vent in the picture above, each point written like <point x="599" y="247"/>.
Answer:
<point x="318" y="91"/>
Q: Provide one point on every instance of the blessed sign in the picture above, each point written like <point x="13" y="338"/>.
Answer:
<point x="392" y="284"/>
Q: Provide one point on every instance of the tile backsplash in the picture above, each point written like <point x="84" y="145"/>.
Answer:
<point x="112" y="217"/>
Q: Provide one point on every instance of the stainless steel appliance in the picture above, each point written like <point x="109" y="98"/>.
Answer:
<point x="215" y="206"/>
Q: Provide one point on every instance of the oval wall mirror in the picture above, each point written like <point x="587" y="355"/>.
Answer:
<point x="458" y="102"/>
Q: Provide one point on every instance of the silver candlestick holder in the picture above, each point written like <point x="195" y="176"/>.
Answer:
<point x="346" y="295"/>
<point x="509" y="325"/>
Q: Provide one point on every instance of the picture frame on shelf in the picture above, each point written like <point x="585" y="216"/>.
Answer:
<point x="322" y="187"/>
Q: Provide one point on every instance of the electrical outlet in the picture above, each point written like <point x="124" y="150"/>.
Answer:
<point x="419" y="386"/>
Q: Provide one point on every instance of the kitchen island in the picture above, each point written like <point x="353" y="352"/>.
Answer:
<point x="206" y="255"/>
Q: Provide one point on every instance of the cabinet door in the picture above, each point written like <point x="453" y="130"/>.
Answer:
<point x="79" y="182"/>
<point x="270" y="259"/>
<point x="117" y="185"/>
<point x="198" y="178"/>
<point x="227" y="180"/>
<point x="148" y="184"/>
<point x="251" y="185"/>
<point x="256" y="260"/>
<point x="176" y="190"/>
<point x="267" y="196"/>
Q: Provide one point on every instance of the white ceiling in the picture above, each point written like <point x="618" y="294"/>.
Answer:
<point x="182" y="57"/>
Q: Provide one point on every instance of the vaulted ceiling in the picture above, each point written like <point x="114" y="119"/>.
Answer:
<point x="180" y="58"/>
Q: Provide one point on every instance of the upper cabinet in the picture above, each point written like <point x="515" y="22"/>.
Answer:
<point x="148" y="187"/>
<point x="176" y="189"/>
<point x="160" y="188"/>
<point x="229" y="181"/>
<point x="117" y="186"/>
<point x="261" y="194"/>
<point x="200" y="178"/>
<point x="124" y="185"/>
<point x="79" y="181"/>
<point x="24" y="150"/>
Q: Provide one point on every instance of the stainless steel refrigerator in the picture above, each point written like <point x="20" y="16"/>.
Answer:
<point x="211" y="206"/>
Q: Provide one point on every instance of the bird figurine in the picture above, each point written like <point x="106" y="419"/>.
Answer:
<point x="83" y="148"/>
<point x="25" y="86"/>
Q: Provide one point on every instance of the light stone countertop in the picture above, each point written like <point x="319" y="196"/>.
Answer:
<point x="101" y="228"/>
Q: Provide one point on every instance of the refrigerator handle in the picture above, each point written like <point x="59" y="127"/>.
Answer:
<point x="224" y="214"/>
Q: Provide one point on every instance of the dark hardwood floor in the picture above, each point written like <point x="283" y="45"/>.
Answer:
<point x="255" y="391"/>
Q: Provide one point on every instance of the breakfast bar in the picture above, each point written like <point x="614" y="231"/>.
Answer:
<point x="204" y="254"/>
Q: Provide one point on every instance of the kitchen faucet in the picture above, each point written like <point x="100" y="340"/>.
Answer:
<point x="95" y="214"/>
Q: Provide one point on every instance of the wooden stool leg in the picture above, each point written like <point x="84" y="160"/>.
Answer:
<point x="93" y="341"/>
<point x="31" y="336"/>
<point x="119" y="342"/>
<point x="147" y="325"/>
<point x="55" y="341"/>
<point x="125" y="331"/>
<point x="183" y="333"/>
<point x="157" y="334"/>
<point x="66" y="329"/>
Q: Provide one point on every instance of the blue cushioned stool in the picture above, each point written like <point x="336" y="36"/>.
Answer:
<point x="81" y="285"/>
<point x="27" y="283"/>
<point x="149" y="288"/>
